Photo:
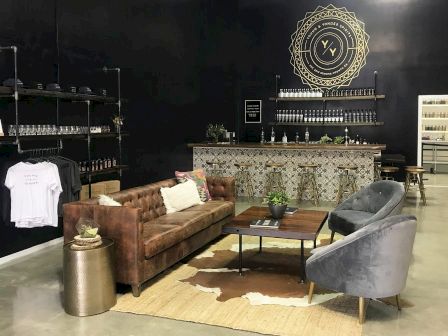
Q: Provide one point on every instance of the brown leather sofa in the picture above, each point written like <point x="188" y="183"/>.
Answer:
<point x="147" y="240"/>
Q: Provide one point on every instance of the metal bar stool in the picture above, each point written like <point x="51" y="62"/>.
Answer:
<point x="414" y="174"/>
<point x="274" y="179"/>
<point x="347" y="181"/>
<point x="307" y="178"/>
<point x="215" y="168"/>
<point x="244" y="179"/>
<point x="388" y="170"/>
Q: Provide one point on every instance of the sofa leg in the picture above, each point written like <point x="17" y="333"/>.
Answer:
<point x="310" y="292"/>
<point x="362" y="310"/>
<point x="136" y="290"/>
<point x="332" y="237"/>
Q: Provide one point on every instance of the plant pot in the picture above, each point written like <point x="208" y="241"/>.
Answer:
<point x="277" y="211"/>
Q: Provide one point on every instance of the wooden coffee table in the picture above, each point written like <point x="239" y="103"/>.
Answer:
<point x="302" y="225"/>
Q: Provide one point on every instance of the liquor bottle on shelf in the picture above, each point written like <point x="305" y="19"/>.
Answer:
<point x="346" y="136"/>
<point x="297" y="137"/>
<point x="272" y="135"/>
<point x="262" y="135"/>
<point x="307" y="136"/>
<point x="284" y="138"/>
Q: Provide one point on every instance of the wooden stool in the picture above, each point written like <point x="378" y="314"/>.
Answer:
<point x="274" y="179"/>
<point x="347" y="181"/>
<point x="414" y="174"/>
<point x="244" y="179"/>
<point x="388" y="170"/>
<point x="376" y="171"/>
<point x="215" y="168"/>
<point x="307" y="178"/>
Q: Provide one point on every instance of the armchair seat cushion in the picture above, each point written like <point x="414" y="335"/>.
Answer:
<point x="348" y="221"/>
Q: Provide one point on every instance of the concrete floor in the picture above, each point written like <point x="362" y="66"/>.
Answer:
<point x="30" y="289"/>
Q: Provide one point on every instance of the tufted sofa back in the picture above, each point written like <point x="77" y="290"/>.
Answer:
<point x="147" y="198"/>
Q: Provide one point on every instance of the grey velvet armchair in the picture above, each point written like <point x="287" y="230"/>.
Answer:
<point x="376" y="201"/>
<point x="372" y="262"/>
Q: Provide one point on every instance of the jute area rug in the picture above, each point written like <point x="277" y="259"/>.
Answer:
<point x="268" y="299"/>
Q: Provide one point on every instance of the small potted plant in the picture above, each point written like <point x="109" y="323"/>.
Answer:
<point x="339" y="140"/>
<point x="277" y="202"/>
<point x="214" y="131"/>
<point x="325" y="139"/>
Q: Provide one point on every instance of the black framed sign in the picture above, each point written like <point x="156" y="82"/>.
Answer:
<point x="252" y="111"/>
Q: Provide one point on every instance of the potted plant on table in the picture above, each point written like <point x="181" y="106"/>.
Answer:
<point x="277" y="202"/>
<point x="214" y="131"/>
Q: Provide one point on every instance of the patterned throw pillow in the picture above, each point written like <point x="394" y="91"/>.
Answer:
<point x="198" y="176"/>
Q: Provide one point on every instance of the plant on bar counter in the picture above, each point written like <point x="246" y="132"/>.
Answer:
<point x="338" y="140"/>
<point x="325" y="139"/>
<point x="214" y="131"/>
<point x="276" y="198"/>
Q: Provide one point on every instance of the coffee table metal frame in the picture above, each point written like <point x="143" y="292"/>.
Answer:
<point x="302" y="225"/>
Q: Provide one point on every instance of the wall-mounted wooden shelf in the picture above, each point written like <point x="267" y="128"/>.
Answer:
<point x="325" y="99"/>
<point x="11" y="139"/>
<point x="378" y="123"/>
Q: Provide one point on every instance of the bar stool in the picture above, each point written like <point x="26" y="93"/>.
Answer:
<point x="388" y="170"/>
<point x="244" y="179"/>
<point x="307" y="178"/>
<point x="414" y="174"/>
<point x="215" y="168"/>
<point x="274" y="179"/>
<point x="347" y="181"/>
<point x="377" y="171"/>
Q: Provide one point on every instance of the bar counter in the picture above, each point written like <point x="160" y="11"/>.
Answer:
<point x="327" y="156"/>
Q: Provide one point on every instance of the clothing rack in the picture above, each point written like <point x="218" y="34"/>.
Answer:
<point x="41" y="151"/>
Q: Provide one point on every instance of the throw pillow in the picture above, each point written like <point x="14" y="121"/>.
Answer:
<point x="198" y="176"/>
<point x="106" y="200"/>
<point x="181" y="196"/>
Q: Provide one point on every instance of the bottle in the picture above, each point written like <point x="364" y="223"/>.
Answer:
<point x="297" y="137"/>
<point x="284" y="138"/>
<point x="272" y="135"/>
<point x="262" y="135"/>
<point x="346" y="136"/>
<point x="307" y="136"/>
<point x="114" y="162"/>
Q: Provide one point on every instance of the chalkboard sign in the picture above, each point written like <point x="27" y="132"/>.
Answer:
<point x="252" y="110"/>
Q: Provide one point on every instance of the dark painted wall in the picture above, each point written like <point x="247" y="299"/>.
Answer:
<point x="186" y="63"/>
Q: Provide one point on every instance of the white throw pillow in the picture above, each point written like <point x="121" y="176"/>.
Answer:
<point x="106" y="200"/>
<point x="181" y="196"/>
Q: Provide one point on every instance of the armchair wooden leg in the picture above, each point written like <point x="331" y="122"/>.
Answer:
<point x="332" y="236"/>
<point x="397" y="297"/>
<point x="362" y="310"/>
<point x="310" y="292"/>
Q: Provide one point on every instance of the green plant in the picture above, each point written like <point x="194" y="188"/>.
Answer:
<point x="325" y="139"/>
<point x="276" y="198"/>
<point x="118" y="120"/>
<point x="214" y="131"/>
<point x="338" y="140"/>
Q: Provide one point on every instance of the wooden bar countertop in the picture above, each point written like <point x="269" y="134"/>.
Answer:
<point x="279" y="145"/>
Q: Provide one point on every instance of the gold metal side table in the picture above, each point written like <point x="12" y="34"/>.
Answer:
<point x="89" y="279"/>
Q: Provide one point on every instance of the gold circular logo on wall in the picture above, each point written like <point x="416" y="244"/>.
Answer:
<point x="329" y="47"/>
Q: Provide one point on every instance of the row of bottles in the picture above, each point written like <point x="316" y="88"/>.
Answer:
<point x="326" y="116"/>
<point x="96" y="165"/>
<point x="435" y="114"/>
<point x="435" y="127"/>
<point x="357" y="140"/>
<point x="296" y="93"/>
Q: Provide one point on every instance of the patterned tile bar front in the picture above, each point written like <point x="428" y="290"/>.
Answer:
<point x="327" y="173"/>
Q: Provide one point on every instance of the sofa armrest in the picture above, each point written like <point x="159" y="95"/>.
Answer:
<point x="123" y="225"/>
<point x="221" y="188"/>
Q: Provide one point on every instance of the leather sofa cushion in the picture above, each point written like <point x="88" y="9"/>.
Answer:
<point x="218" y="209"/>
<point x="166" y="231"/>
<point x="348" y="221"/>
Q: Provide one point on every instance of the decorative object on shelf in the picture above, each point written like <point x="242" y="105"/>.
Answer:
<point x="85" y="90"/>
<point x="325" y="139"/>
<point x="53" y="87"/>
<point x="101" y="92"/>
<point x="277" y="202"/>
<point x="118" y="122"/>
<point x="1" y="129"/>
<point x="10" y="82"/>
<point x="88" y="237"/>
<point x="338" y="140"/>
<point x="215" y="131"/>
<point x="37" y="86"/>
<point x="72" y="89"/>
